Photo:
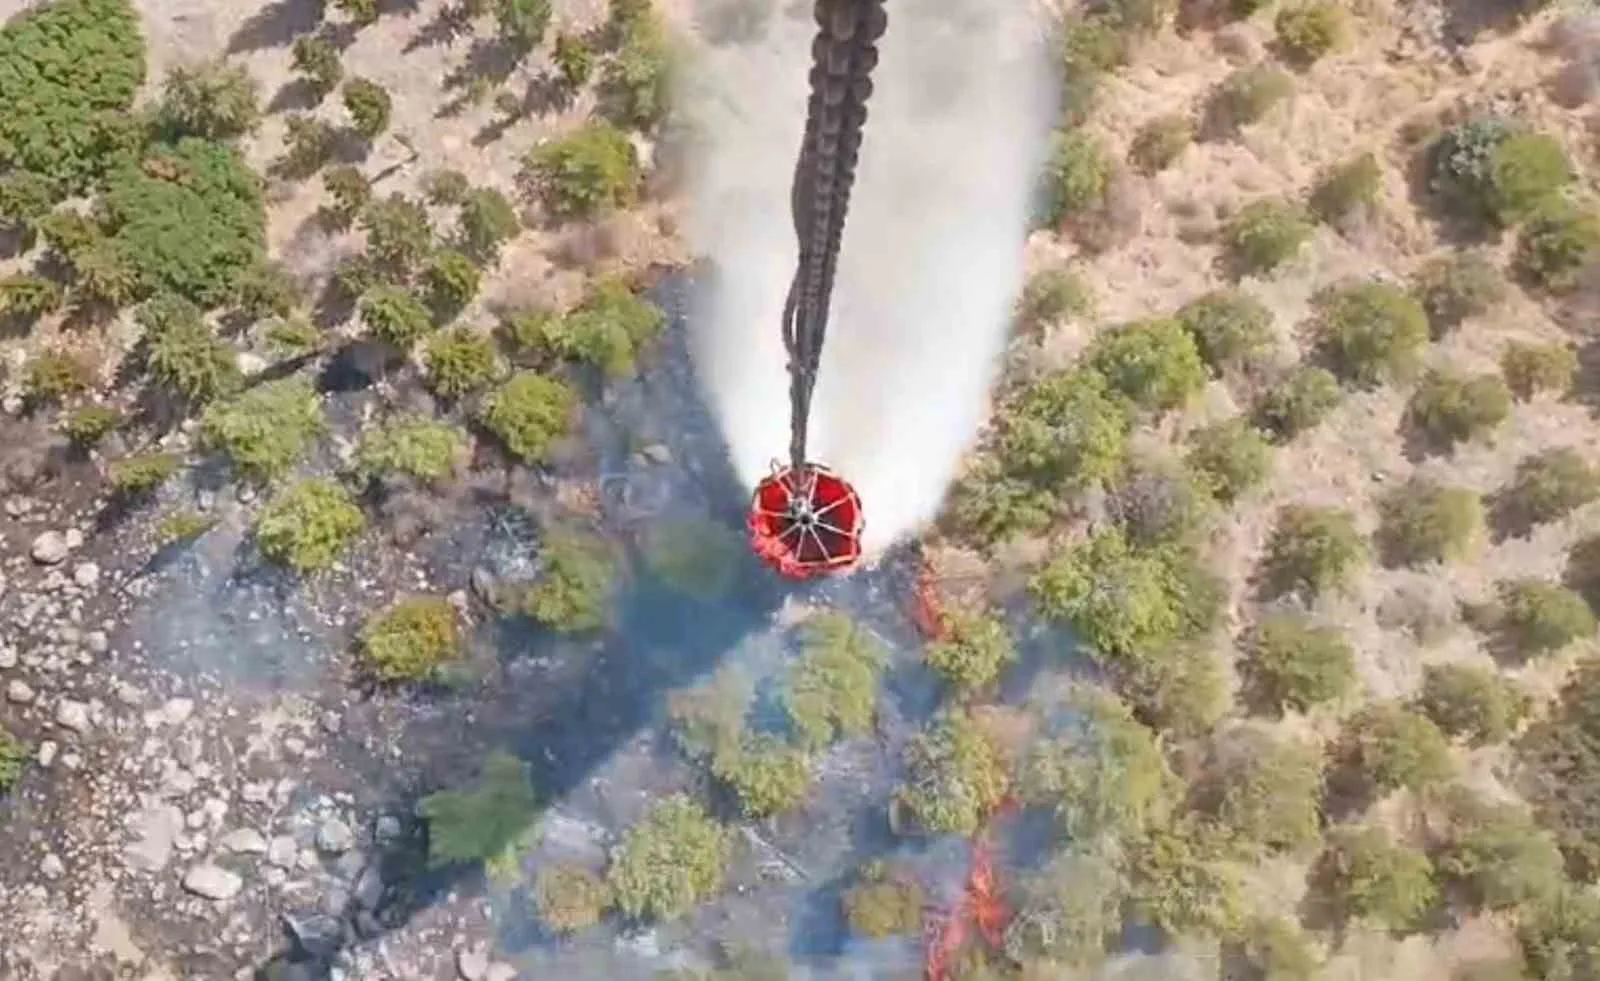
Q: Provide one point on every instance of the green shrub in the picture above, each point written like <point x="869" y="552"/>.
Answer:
<point x="1349" y="189"/>
<point x="1184" y="881"/>
<point x="182" y="526"/>
<point x="483" y="822"/>
<point x="1312" y="551"/>
<point x="214" y="101"/>
<point x="1248" y="94"/>
<point x="308" y="524"/>
<point x="141" y="474"/>
<point x="831" y="692"/>
<point x="635" y="81"/>
<point x="13" y="757"/>
<point x="399" y="235"/>
<point x="317" y="63"/>
<point x="1548" y="486"/>
<point x="28" y="297"/>
<point x="1230" y="458"/>
<point x="529" y="413"/>
<point x="460" y="361"/>
<point x="1054" y="295"/>
<point x="522" y="23"/>
<point x="1583" y="568"/>
<point x="1232" y="329"/>
<point x="1501" y="860"/>
<point x="1270" y="948"/>
<point x="445" y="188"/>
<point x="956" y="776"/>
<point x="767" y="775"/>
<point x="989" y="507"/>
<point x="1289" y="663"/>
<point x="266" y="430"/>
<point x="1561" y="770"/>
<point x="1266" y="791"/>
<point x="1126" y="605"/>
<point x="1140" y="16"/>
<point x="1387" y="746"/>
<point x="577" y="576"/>
<point x="1100" y="769"/>
<point x="395" y="316"/>
<point x="369" y="106"/>
<point x="697" y="558"/>
<point x="569" y="898"/>
<point x="1540" y="617"/>
<point x="574" y="59"/>
<point x="1456" y="287"/>
<point x="1298" y="403"/>
<point x="1556" y="244"/>
<point x="1157" y="501"/>
<point x="672" y="860"/>
<point x="972" y="653"/>
<point x="1447" y="409"/>
<point x="1371" y="332"/>
<point x="1183" y="694"/>
<point x="60" y="120"/>
<point x="264" y="289"/>
<point x="412" y="639"/>
<point x="591" y="170"/>
<point x="308" y="143"/>
<point x="1560" y="937"/>
<point x="362" y="13"/>
<point x="190" y="219"/>
<point x="55" y="375"/>
<point x="1527" y="170"/>
<point x="1089" y="47"/>
<point x="1077" y="176"/>
<point x="452" y="281"/>
<point x="487" y="221"/>
<point x="1067" y="430"/>
<point x="25" y="199"/>
<point x="1160" y="142"/>
<point x="1265" y="234"/>
<point x="884" y="904"/>
<point x="1311" y="30"/>
<point x="415" y="447"/>
<point x="104" y="275"/>
<point x="350" y="191"/>
<point x="184" y="354"/>
<point x="1424" y="521"/>
<point x="607" y="330"/>
<point x="1534" y="368"/>
<point x="1471" y="702"/>
<point x="293" y="337"/>
<point x="68" y="234"/>
<point x="1154" y="363"/>
<point x="89" y="425"/>
<point x="1370" y="877"/>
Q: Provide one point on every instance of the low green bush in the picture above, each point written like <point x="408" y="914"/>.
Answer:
<point x="577" y="576"/>
<point x="1054" y="295"/>
<point x="1232" y="329"/>
<point x="1370" y="877"/>
<point x="1457" y="287"/>
<point x="54" y="375"/>
<point x="1077" y="176"/>
<point x="1371" y="332"/>
<point x="591" y="170"/>
<point x="27" y="297"/>
<point x="481" y="822"/>
<point x="1160" y="142"/>
<point x="399" y="234"/>
<point x="1290" y="663"/>
<point x="1424" y="522"/>
<point x="1500" y="860"/>
<point x="1556" y="244"/>
<point x="1265" y="234"/>
<point x="1248" y="94"/>
<point x="317" y="62"/>
<point x="369" y="106"/>
<point x="1067" y="430"/>
<point x="1298" y="403"/>
<point x="1549" y="485"/>
<point x="672" y="860"/>
<point x="1230" y="458"/>
<point x="1539" y="617"/>
<point x="487" y="222"/>
<point x="451" y="281"/>
<point x="529" y="413"/>
<point x="212" y="100"/>
<point x="831" y="692"/>
<point x="1271" y="948"/>
<point x="973" y="652"/>
<point x="1388" y="746"/>
<point x="1309" y="31"/>
<point x="956" y="775"/>
<point x="460" y="361"/>
<point x="1153" y="363"/>
<point x="412" y="639"/>
<point x="308" y="524"/>
<point x="1494" y="171"/>
<point x="1265" y="791"/>
<point x="266" y="430"/>
<point x="417" y="447"/>
<point x="395" y="316"/>
<point x="635" y="82"/>
<point x="13" y="758"/>
<point x="766" y="774"/>
<point x="1349" y="189"/>
<point x="1471" y="702"/>
<point x="1448" y="409"/>
<point x="349" y="193"/>
<point x="184" y="354"/>
<point x="141" y="474"/>
<point x="89" y="425"/>
<point x="1534" y="368"/>
<point x="1312" y="551"/>
<point x="569" y="898"/>
<point x="885" y="904"/>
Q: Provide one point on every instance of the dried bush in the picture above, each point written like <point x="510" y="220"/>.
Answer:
<point x="1312" y="551"/>
<point x="1537" y="617"/>
<point x="1298" y="403"/>
<point x="1549" y="485"/>
<point x="1371" y="332"/>
<point x="1311" y="30"/>
<point x="1229" y="458"/>
<point x="1472" y="703"/>
<point x="1160" y="142"/>
<point x="1350" y="189"/>
<point x="1371" y="877"/>
<point x="569" y="898"/>
<point x="1534" y="368"/>
<point x="1289" y="663"/>
<point x="1456" y="287"/>
<point x="1424" y="521"/>
<point x="1232" y="329"/>
<point x="1265" y="234"/>
<point x="1265" y="791"/>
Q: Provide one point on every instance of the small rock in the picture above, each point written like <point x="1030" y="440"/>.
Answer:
<point x="472" y="963"/>
<point x="281" y="852"/>
<point x="47" y="752"/>
<point x="245" y="841"/>
<point x="50" y="548"/>
<point x="212" y="882"/>
<point x="72" y="715"/>
<point x="177" y="710"/>
<point x="51" y="867"/>
<point x="335" y="837"/>
<point x="658" y="453"/>
<point x="97" y="642"/>
<point x="386" y="829"/>
<point x="156" y="833"/>
<point x="74" y="538"/>
<point x="500" y="971"/>
<point x="8" y="658"/>
<point x="19" y="692"/>
<point x="86" y="574"/>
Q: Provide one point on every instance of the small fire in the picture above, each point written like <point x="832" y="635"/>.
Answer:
<point x="981" y="911"/>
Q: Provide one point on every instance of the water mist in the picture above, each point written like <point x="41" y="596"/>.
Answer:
<point x="932" y="252"/>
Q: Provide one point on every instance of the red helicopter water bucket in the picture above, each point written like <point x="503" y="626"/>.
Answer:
<point x="806" y="522"/>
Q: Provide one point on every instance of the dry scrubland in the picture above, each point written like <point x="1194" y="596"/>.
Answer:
<point x="1297" y="440"/>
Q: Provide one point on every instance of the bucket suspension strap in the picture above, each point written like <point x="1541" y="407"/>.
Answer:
<point x="843" y="55"/>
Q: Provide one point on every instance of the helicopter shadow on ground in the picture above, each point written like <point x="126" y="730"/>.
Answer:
<point x="657" y="640"/>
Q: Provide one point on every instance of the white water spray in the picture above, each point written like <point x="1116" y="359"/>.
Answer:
<point x="932" y="252"/>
